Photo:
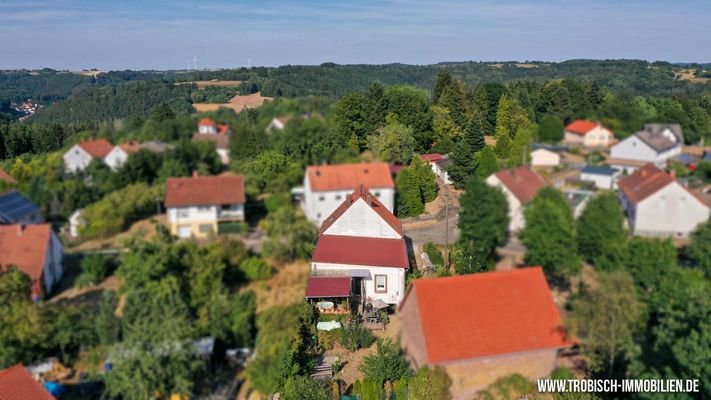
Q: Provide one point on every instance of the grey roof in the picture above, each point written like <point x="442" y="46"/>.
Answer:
<point x="444" y="162"/>
<point x="14" y="207"/>
<point x="707" y="156"/>
<point x="593" y="170"/>
<point x="661" y="137"/>
<point x="156" y="146"/>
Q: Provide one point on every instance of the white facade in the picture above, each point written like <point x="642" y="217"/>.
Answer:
<point x="224" y="155"/>
<point x="441" y="173"/>
<point x="635" y="149"/>
<point x="544" y="158"/>
<point x="277" y="124"/>
<point x="601" y="181"/>
<point x="596" y="137"/>
<point x="76" y="220"/>
<point x="76" y="159"/>
<point x="53" y="269"/>
<point x="394" y="279"/>
<point x="360" y="220"/>
<point x="516" y="218"/>
<point x="201" y="220"/>
<point x="670" y="212"/>
<point x="116" y="158"/>
<point x="207" y="129"/>
<point x="319" y="205"/>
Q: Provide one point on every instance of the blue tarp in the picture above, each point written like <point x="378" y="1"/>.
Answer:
<point x="54" y="388"/>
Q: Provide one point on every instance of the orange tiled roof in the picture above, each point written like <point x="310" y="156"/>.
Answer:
<point x="130" y="147"/>
<point x="207" y="122"/>
<point x="17" y="384"/>
<point x="644" y="182"/>
<point x="5" y="177"/>
<point x="372" y="201"/>
<point x="581" y="127"/>
<point x="98" y="148"/>
<point x="25" y="247"/>
<point x="487" y="314"/>
<point x="204" y="191"/>
<point x="522" y="182"/>
<point x="349" y="176"/>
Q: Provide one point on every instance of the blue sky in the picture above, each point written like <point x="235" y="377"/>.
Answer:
<point x="161" y="34"/>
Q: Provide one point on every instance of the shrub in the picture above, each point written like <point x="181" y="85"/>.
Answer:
<point x="434" y="254"/>
<point x="355" y="336"/>
<point x="256" y="269"/>
<point x="387" y="364"/>
<point x="94" y="268"/>
<point x="232" y="227"/>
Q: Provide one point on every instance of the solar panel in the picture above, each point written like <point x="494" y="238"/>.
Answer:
<point x="14" y="207"/>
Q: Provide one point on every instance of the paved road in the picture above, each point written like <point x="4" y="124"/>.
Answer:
<point x="433" y="231"/>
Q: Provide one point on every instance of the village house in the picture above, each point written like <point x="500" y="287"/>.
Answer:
<point x="79" y="156"/>
<point x="326" y="186"/>
<point x="35" y="250"/>
<point x="16" y="383"/>
<point x="656" y="204"/>
<point x="602" y="177"/>
<point x="655" y="144"/>
<point x="220" y="135"/>
<point x="520" y="185"/>
<point x="361" y="254"/>
<point x="15" y="208"/>
<point x="119" y="154"/>
<point x="439" y="164"/>
<point x="198" y="204"/>
<point x="544" y="157"/>
<point x="278" y="123"/>
<point x="481" y="327"/>
<point x="588" y="134"/>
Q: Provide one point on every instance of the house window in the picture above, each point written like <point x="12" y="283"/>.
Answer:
<point x="338" y="197"/>
<point x="205" y="228"/>
<point x="377" y="194"/>
<point x="183" y="214"/>
<point x="226" y="207"/>
<point x="321" y="198"/>
<point x="381" y="283"/>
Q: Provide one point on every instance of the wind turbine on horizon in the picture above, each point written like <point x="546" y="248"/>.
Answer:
<point x="194" y="61"/>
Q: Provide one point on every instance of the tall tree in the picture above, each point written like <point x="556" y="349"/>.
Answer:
<point x="521" y="146"/>
<point x="608" y="336"/>
<point x="550" y="129"/>
<point x="486" y="162"/>
<point x="549" y="234"/>
<point x="601" y="229"/>
<point x="700" y="247"/>
<point x="394" y="142"/>
<point x="376" y="107"/>
<point x="463" y="162"/>
<point x="444" y="79"/>
<point x="483" y="221"/>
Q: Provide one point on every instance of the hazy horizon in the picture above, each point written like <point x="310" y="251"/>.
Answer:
<point x="166" y="35"/>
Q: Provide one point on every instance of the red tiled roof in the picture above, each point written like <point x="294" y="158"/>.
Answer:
<point x="581" y="127"/>
<point x="432" y="157"/>
<point x="349" y="176"/>
<point x="17" y="384"/>
<point x="366" y="251"/>
<point x="328" y="286"/>
<point x="644" y="182"/>
<point x="522" y="182"/>
<point x="25" y="247"/>
<point x="5" y="177"/>
<point x="372" y="201"/>
<point x="204" y="191"/>
<point x="130" y="147"/>
<point x="223" y="129"/>
<point x="486" y="314"/>
<point x="98" y="148"/>
<point x="207" y="122"/>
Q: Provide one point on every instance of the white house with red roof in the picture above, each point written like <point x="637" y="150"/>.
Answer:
<point x="588" y="134"/>
<point x="16" y="383"/>
<point x="326" y="186"/>
<point x="438" y="163"/>
<point x="198" y="204"/>
<point x="362" y="252"/>
<point x="520" y="185"/>
<point x="481" y="327"/>
<point x="35" y="250"/>
<point x="79" y="156"/>
<point x="119" y="154"/>
<point x="656" y="204"/>
<point x="211" y="131"/>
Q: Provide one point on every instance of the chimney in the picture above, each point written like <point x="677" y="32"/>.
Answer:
<point x="195" y="174"/>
